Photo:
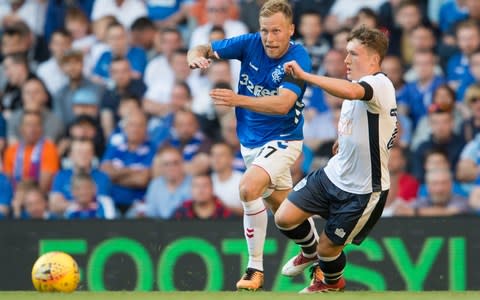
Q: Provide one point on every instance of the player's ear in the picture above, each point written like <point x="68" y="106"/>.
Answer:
<point x="292" y="29"/>
<point x="375" y="59"/>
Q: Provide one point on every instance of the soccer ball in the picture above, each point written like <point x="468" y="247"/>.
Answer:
<point x="55" y="272"/>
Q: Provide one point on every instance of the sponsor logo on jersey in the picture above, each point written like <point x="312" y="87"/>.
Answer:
<point x="256" y="89"/>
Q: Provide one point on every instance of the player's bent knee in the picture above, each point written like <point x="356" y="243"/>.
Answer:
<point x="282" y="220"/>
<point x="249" y="192"/>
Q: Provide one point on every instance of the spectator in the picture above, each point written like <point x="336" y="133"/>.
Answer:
<point x="181" y="98"/>
<point x="156" y="101"/>
<point x="33" y="157"/>
<point x="143" y="33"/>
<point x="100" y="45"/>
<point x="126" y="106"/>
<point x="300" y="7"/>
<point x="468" y="41"/>
<point x="474" y="199"/>
<point x="204" y="204"/>
<point x="123" y="84"/>
<point x="311" y="38"/>
<point x="471" y="126"/>
<point x="366" y="17"/>
<point x="17" y="38"/>
<point x="407" y="17"/>
<point x="35" y="98"/>
<point x="86" y="203"/>
<point x="35" y="204"/>
<point x="85" y="108"/>
<point x="393" y="67"/>
<point x="78" y="25"/>
<point x="6" y="196"/>
<point x="81" y="160"/>
<point x="451" y="12"/>
<point x="126" y="11"/>
<point x="422" y="38"/>
<point x="217" y="12"/>
<point x="218" y="72"/>
<point x="467" y="169"/>
<point x="340" y="37"/>
<point x="72" y="65"/>
<point x="229" y="135"/>
<point x="442" y="137"/>
<point x="321" y="128"/>
<point x="57" y="13"/>
<point x="210" y="120"/>
<point x="171" y="188"/>
<point x="333" y="66"/>
<point x="473" y="78"/>
<point x="187" y="137"/>
<point x="117" y="40"/>
<point x="444" y="97"/>
<point x="83" y="127"/>
<point x="50" y="71"/>
<point x="473" y="8"/>
<point x="18" y="202"/>
<point x="128" y="163"/>
<point x="403" y="186"/>
<point x="30" y="12"/>
<point x="418" y="93"/>
<point x="441" y="200"/>
<point x="225" y="179"/>
<point x="169" y="14"/>
<point x="343" y="12"/>
<point x="17" y="72"/>
<point x="167" y="42"/>
<point x="216" y="33"/>
<point x="3" y="131"/>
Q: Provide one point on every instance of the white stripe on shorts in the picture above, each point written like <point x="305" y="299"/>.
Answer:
<point x="372" y="202"/>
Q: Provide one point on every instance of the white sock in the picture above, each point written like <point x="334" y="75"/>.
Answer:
<point x="255" y="225"/>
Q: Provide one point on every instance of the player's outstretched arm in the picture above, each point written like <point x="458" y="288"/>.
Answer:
<point x="276" y="105"/>
<point x="201" y="56"/>
<point x="337" y="87"/>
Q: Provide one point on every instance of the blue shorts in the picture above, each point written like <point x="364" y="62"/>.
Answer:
<point x="350" y="217"/>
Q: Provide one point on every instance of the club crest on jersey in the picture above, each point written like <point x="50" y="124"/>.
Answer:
<point x="277" y="74"/>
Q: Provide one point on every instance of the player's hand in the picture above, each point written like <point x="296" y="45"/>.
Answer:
<point x="223" y="97"/>
<point x="335" y="147"/>
<point x="200" y="63"/>
<point x="294" y="69"/>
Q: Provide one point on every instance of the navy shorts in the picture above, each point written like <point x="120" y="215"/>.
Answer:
<point x="350" y="217"/>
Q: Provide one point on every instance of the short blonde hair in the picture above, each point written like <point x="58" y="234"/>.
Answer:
<point x="272" y="7"/>
<point x="472" y="93"/>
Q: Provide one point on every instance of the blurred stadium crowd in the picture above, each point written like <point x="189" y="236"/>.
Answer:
<point x="102" y="118"/>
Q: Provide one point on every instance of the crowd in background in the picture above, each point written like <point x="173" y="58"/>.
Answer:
<point x="101" y="117"/>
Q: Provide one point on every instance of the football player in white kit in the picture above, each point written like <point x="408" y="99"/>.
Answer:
<point x="350" y="192"/>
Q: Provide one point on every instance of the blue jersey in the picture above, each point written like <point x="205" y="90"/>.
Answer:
<point x="260" y="76"/>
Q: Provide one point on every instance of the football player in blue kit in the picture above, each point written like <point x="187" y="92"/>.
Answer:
<point x="268" y="108"/>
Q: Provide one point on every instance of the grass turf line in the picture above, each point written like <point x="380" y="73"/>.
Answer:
<point x="239" y="296"/>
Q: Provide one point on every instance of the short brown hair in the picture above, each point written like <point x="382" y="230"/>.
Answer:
<point x="373" y="39"/>
<point x="467" y="24"/>
<point x="272" y="7"/>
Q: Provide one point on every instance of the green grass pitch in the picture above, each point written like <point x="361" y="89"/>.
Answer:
<point x="240" y="296"/>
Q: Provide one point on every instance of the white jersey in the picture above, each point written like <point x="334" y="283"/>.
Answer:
<point x="366" y="130"/>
